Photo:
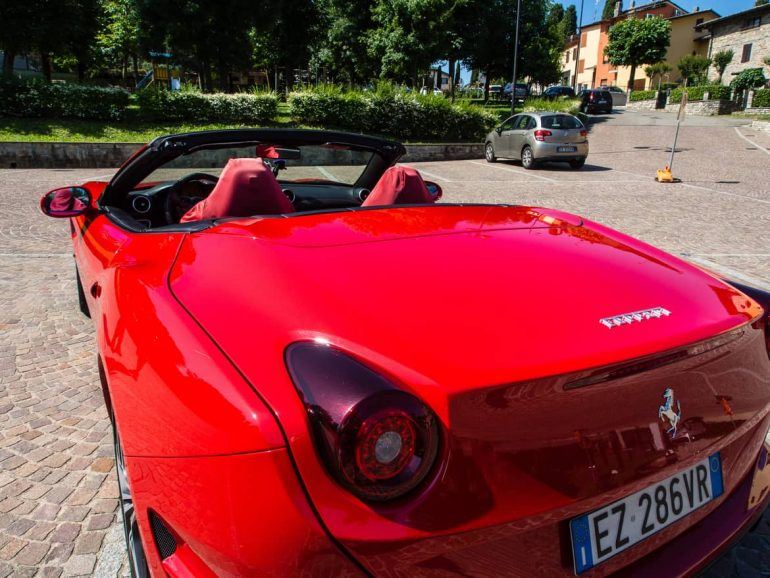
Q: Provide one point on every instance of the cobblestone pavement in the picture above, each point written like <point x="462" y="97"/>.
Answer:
<point x="57" y="481"/>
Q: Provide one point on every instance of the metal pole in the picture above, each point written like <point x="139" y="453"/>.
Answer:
<point x="515" y="58"/>
<point x="673" y="148"/>
<point x="577" y="57"/>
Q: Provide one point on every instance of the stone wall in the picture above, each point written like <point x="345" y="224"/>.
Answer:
<point x="705" y="107"/>
<point x="757" y="110"/>
<point x="731" y="35"/>
<point x="639" y="105"/>
<point x="52" y="155"/>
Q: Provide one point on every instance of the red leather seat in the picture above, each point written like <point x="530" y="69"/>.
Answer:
<point x="399" y="186"/>
<point x="245" y="188"/>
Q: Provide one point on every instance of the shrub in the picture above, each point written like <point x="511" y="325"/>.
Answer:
<point x="36" y="98"/>
<point x="405" y="116"/>
<point x="761" y="98"/>
<point x="642" y="95"/>
<point x="749" y="78"/>
<point x="188" y="105"/>
<point x="716" y="92"/>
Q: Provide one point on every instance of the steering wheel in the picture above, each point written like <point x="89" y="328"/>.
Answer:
<point x="176" y="203"/>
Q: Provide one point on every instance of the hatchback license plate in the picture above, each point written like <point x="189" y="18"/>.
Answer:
<point x="566" y="149"/>
<point x="600" y="535"/>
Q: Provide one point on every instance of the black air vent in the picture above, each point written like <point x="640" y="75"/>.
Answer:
<point x="164" y="540"/>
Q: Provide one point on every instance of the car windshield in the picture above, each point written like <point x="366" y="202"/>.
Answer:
<point x="561" y="121"/>
<point x="327" y="163"/>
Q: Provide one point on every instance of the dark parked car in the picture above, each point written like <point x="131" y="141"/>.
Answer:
<point x="522" y="91"/>
<point x="559" y="91"/>
<point x="595" y="101"/>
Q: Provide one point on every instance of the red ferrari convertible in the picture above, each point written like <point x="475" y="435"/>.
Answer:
<point x="314" y="369"/>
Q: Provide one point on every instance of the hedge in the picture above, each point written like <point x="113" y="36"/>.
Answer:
<point x="761" y="98"/>
<point x="716" y="92"/>
<point x="401" y="115"/>
<point x="243" y="108"/>
<point x="637" y="95"/>
<point x="37" y="98"/>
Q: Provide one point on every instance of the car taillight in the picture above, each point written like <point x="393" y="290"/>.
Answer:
<point x="376" y="440"/>
<point x="760" y="296"/>
<point x="591" y="96"/>
<point x="584" y="133"/>
<point x="540" y="134"/>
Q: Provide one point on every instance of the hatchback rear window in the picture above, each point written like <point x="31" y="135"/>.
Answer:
<point x="561" y="121"/>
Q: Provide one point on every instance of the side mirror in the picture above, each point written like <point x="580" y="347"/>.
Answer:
<point x="499" y="130"/>
<point x="65" y="202"/>
<point x="435" y="190"/>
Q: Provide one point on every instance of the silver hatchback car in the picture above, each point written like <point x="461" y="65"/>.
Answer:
<point x="534" y="137"/>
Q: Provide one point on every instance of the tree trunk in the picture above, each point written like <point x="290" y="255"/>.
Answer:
<point x="135" y="62"/>
<point x="631" y="77"/>
<point x="81" y="68"/>
<point x="486" y="88"/>
<point x="45" y="62"/>
<point x="10" y="56"/>
<point x="451" y="79"/>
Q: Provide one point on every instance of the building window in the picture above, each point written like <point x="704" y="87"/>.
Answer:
<point x="605" y="58"/>
<point x="752" y="23"/>
<point x="567" y="55"/>
<point x="746" y="56"/>
<point x="583" y="40"/>
<point x="581" y="66"/>
<point x="574" y="54"/>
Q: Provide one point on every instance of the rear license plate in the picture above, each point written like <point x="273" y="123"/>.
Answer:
<point x="600" y="535"/>
<point x="566" y="149"/>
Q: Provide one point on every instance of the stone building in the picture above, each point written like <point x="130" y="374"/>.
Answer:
<point x="746" y="33"/>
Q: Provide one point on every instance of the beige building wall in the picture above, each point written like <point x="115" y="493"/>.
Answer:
<point x="735" y="35"/>
<point x="589" y="54"/>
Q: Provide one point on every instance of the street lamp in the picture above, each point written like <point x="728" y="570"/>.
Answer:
<point x="515" y="58"/>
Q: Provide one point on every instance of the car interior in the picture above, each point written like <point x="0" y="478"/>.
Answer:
<point x="214" y="182"/>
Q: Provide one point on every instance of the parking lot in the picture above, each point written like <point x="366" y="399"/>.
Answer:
<point x="57" y="490"/>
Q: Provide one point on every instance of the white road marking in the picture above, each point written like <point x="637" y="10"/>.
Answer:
<point x="327" y="174"/>
<point x="732" y="254"/>
<point x="759" y="146"/>
<point x="511" y="170"/>
<point x="729" y="272"/>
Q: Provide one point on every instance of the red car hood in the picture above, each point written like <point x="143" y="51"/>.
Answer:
<point x="467" y="296"/>
<point x="490" y="315"/>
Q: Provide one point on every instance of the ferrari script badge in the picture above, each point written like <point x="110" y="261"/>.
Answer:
<point x="634" y="316"/>
<point x="670" y="412"/>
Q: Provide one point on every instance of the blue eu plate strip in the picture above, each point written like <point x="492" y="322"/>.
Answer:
<point x="715" y="469"/>
<point x="581" y="544"/>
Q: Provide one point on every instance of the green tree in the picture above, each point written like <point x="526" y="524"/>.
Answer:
<point x="609" y="9"/>
<point x="118" y="39"/>
<point x="766" y="60"/>
<point x="693" y="68"/>
<point x="749" y="78"/>
<point x="658" y="69"/>
<point x="16" y="25"/>
<point x="720" y="60"/>
<point x="343" y="46"/>
<point x="634" y="42"/>
<point x="761" y="2"/>
<point x="569" y="23"/>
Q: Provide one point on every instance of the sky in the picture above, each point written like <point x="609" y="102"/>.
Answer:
<point x="592" y="9"/>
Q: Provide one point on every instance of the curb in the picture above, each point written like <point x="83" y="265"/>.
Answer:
<point x="62" y="155"/>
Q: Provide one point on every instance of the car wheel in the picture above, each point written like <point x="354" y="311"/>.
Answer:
<point x="136" y="559"/>
<point x="489" y="153"/>
<point x="527" y="158"/>
<point x="577" y="163"/>
<point x="83" y="304"/>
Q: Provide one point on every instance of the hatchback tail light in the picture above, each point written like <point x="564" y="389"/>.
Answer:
<point x="376" y="440"/>
<point x="584" y="133"/>
<point x="540" y="134"/>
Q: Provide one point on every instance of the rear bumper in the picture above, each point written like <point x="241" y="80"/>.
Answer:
<point x="231" y="516"/>
<point x="550" y="151"/>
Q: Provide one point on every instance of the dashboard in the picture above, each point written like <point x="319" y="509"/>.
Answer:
<point x="149" y="204"/>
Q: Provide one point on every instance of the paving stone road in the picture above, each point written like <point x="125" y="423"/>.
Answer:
<point x="57" y="481"/>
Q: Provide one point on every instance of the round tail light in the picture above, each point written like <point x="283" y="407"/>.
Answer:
<point x="377" y="441"/>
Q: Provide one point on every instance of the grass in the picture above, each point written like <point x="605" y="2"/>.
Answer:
<point x="752" y="116"/>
